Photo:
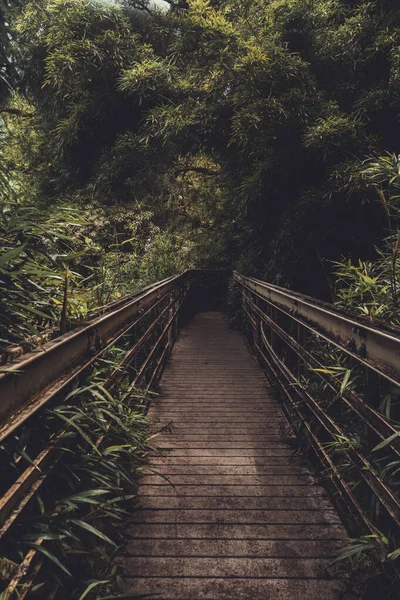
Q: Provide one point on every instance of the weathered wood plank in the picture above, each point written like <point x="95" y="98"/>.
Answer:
<point x="234" y="548"/>
<point x="292" y="531"/>
<point x="167" y="588"/>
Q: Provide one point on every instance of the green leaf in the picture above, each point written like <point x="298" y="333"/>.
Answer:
<point x="345" y="381"/>
<point x="331" y="371"/>
<point x="7" y="257"/>
<point x="93" y="530"/>
<point x="386" y="442"/>
<point x="33" y="310"/>
<point x="79" y="429"/>
<point x="44" y="536"/>
<point x="113" y="448"/>
<point x="87" y="496"/>
<point x="91" y="587"/>
<point x="50" y="556"/>
<point x="393" y="555"/>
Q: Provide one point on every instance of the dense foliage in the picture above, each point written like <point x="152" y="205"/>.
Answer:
<point x="231" y="134"/>
<point x="139" y="138"/>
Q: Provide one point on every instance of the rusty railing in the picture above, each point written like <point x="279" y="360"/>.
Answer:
<point x="338" y="376"/>
<point x="144" y="325"/>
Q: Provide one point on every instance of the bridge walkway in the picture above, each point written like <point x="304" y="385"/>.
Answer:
<point x="228" y="508"/>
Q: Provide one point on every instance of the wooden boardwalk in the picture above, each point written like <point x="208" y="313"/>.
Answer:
<point x="229" y="511"/>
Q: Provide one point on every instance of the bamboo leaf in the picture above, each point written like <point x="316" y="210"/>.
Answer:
<point x="345" y="381"/>
<point x="80" y="430"/>
<point x="393" y="555"/>
<point x="10" y="255"/>
<point x="50" y="556"/>
<point x="386" y="442"/>
<point x="92" y="530"/>
<point x="91" y="587"/>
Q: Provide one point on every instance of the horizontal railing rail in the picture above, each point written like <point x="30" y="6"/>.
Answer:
<point x="101" y="310"/>
<point x="376" y="346"/>
<point x="336" y="373"/>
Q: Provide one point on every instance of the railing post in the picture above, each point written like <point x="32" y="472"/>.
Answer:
<point x="372" y="392"/>
<point x="247" y="319"/>
<point x="257" y="333"/>
<point x="175" y="323"/>
<point x="275" y="339"/>
<point x="173" y="329"/>
<point x="372" y="397"/>
<point x="301" y="337"/>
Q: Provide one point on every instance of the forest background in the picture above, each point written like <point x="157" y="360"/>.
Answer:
<point x="137" y="140"/>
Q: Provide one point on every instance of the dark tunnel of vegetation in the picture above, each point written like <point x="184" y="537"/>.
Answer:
<point x="140" y="140"/>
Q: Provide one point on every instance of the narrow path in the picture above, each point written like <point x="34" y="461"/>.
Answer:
<point x="231" y="513"/>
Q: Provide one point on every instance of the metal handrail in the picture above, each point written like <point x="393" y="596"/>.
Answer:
<point x="42" y="377"/>
<point x="376" y="345"/>
<point x="35" y="378"/>
<point x="284" y="329"/>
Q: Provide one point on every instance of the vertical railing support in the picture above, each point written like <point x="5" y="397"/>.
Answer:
<point x="257" y="332"/>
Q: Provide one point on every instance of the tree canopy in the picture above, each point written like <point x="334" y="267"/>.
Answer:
<point x="139" y="138"/>
<point x="257" y="135"/>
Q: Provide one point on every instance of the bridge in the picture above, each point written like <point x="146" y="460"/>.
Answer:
<point x="267" y="455"/>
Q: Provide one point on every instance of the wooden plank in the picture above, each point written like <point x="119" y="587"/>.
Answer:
<point x="296" y="491"/>
<point x="223" y="531"/>
<point x="224" y="469"/>
<point x="271" y="503"/>
<point x="232" y="548"/>
<point x="156" y="566"/>
<point x="254" y="461"/>
<point x="228" y="516"/>
<point x="247" y="480"/>
<point x="167" y="588"/>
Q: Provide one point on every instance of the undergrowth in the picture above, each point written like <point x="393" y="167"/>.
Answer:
<point x="80" y="522"/>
